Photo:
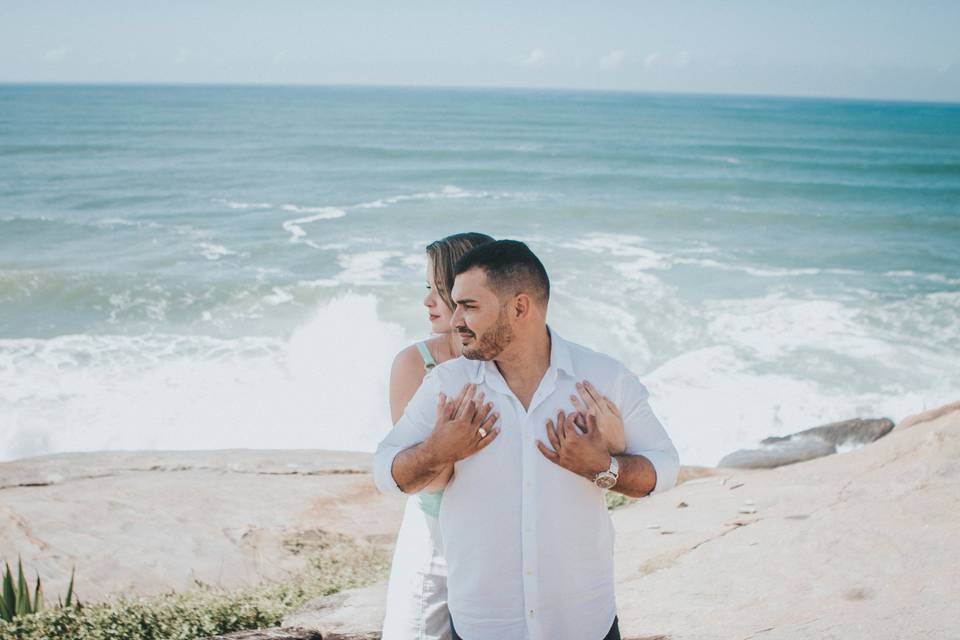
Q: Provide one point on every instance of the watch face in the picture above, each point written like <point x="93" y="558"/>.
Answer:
<point x="605" y="480"/>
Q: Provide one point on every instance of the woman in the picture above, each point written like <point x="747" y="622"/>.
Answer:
<point x="417" y="591"/>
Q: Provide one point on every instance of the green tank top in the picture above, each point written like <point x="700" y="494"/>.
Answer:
<point x="429" y="502"/>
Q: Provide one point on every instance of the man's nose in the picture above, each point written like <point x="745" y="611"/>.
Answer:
<point x="457" y="319"/>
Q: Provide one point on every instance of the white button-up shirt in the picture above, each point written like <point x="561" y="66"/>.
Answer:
<point x="529" y="545"/>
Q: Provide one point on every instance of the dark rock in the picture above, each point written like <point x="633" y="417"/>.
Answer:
<point x="857" y="431"/>
<point x="809" y="443"/>
<point x="272" y="634"/>
<point x="779" y="454"/>
<point x="355" y="614"/>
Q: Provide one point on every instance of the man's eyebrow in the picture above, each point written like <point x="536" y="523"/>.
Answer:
<point x="465" y="301"/>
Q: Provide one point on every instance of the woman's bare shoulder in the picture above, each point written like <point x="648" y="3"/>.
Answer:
<point x="406" y="376"/>
<point x="407" y="362"/>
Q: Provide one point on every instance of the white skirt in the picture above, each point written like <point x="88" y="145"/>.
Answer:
<point x="417" y="591"/>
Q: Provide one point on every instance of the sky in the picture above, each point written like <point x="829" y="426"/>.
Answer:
<point x="878" y="49"/>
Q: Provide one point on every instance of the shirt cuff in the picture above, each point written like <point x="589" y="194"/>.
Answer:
<point x="383" y="471"/>
<point x="666" y="467"/>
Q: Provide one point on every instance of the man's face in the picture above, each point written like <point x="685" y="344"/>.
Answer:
<point x="480" y="319"/>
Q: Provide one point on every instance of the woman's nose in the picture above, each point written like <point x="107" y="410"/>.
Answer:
<point x="428" y="300"/>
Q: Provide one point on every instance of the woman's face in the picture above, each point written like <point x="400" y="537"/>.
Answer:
<point x="438" y="311"/>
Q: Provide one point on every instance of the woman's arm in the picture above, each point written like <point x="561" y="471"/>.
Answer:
<point x="406" y="376"/>
<point x="609" y="418"/>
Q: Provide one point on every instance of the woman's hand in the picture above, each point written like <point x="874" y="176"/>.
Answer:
<point x="465" y="425"/>
<point x="609" y="421"/>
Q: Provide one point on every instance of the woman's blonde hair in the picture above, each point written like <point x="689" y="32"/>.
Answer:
<point x="444" y="253"/>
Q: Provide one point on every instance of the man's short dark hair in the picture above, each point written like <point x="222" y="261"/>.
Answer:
<point x="511" y="268"/>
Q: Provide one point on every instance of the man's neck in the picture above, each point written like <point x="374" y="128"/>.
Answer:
<point x="524" y="364"/>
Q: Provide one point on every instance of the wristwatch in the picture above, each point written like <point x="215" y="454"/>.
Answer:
<point x="608" y="478"/>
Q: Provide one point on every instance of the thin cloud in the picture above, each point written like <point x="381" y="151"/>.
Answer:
<point x="56" y="54"/>
<point x="657" y="60"/>
<point x="613" y="60"/>
<point x="535" y="58"/>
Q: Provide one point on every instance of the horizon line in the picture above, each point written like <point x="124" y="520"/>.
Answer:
<point x="341" y="85"/>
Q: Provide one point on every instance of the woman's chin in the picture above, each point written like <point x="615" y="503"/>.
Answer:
<point x="440" y="327"/>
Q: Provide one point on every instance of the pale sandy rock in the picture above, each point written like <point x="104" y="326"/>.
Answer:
<point x="148" y="522"/>
<point x="689" y="473"/>
<point x="855" y="545"/>
<point x="927" y="416"/>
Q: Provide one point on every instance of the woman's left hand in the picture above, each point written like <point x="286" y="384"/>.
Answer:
<point x="609" y="420"/>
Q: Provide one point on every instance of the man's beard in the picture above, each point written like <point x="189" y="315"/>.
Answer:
<point x="493" y="341"/>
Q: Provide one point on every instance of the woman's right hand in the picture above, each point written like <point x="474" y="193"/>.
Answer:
<point x="464" y="426"/>
<point x="609" y="420"/>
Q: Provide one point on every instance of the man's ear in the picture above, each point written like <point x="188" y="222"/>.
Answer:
<point x="521" y="306"/>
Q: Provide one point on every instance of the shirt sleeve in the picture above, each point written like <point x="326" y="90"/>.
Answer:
<point x="414" y="426"/>
<point x="644" y="434"/>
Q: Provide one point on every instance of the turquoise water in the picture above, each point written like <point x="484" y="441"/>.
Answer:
<point x="195" y="267"/>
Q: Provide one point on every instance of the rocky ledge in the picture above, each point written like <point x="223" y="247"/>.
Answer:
<point x="860" y="544"/>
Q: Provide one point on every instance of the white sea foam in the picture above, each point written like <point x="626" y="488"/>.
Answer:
<point x="212" y="251"/>
<point x="108" y="223"/>
<point x="279" y="296"/>
<point x="724" y="159"/>
<point x="448" y="192"/>
<point x="930" y="277"/>
<point x="643" y="258"/>
<point x="368" y="268"/>
<point x="125" y="303"/>
<point x="328" y="212"/>
<point x="295" y="228"/>
<point x="194" y="392"/>
<point x="319" y="283"/>
<point x="233" y="204"/>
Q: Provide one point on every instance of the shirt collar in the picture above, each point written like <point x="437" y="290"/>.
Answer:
<point x="560" y="359"/>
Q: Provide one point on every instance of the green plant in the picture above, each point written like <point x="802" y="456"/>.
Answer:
<point x="15" y="599"/>
<point x="617" y="500"/>
<point x="334" y="562"/>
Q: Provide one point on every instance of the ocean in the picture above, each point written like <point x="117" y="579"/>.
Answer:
<point x="186" y="267"/>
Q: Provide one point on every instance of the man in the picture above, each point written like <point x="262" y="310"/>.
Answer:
<point x="527" y="537"/>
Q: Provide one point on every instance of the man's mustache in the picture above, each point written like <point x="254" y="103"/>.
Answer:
<point x="462" y="330"/>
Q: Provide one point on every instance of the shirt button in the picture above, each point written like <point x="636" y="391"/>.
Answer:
<point x="531" y="613"/>
<point x="529" y="573"/>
